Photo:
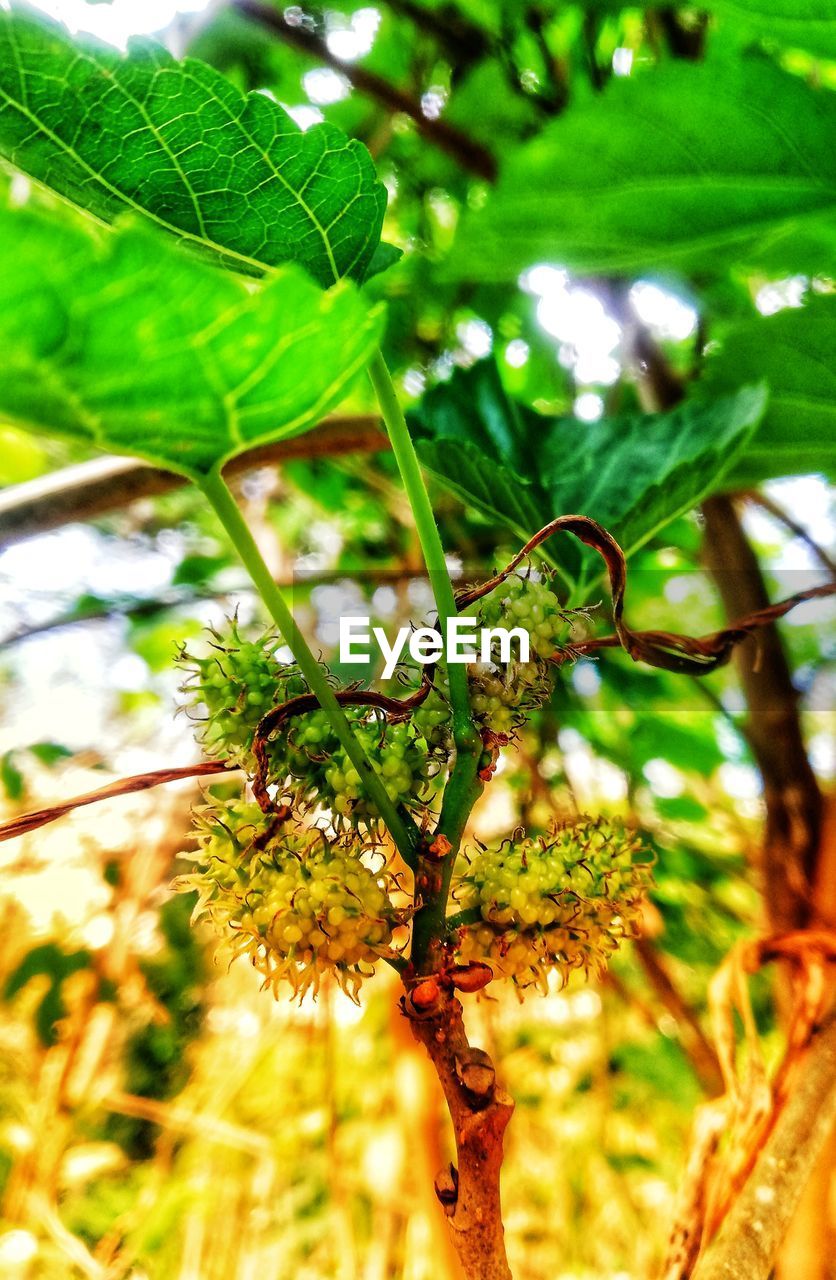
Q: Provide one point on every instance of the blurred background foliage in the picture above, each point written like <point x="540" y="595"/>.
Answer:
<point x="161" y="1117"/>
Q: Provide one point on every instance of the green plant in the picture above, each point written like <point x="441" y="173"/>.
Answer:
<point x="149" y="321"/>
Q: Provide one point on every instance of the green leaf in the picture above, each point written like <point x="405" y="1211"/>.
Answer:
<point x="685" y="165"/>
<point x="803" y="24"/>
<point x="50" y="753"/>
<point x="11" y="777"/>
<point x="232" y="174"/>
<point x="120" y="339"/>
<point x="21" y="457"/>
<point x="793" y="352"/>
<point x="197" y="569"/>
<point x="384" y="257"/>
<point x="487" y="485"/>
<point x="633" y="473"/>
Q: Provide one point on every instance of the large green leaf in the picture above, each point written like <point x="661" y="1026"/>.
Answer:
<point x="690" y="165"/>
<point x="178" y="143"/>
<point x="120" y="339"/>
<point x="807" y="24"/>
<point x="633" y="473"/>
<point x="794" y="352"/>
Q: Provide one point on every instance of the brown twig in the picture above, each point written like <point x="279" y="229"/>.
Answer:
<point x="694" y="1040"/>
<point x="480" y="1112"/>
<point x="690" y="655"/>
<point x="469" y="153"/>
<point x="778" y="513"/>
<point x="108" y="484"/>
<point x="122" y="787"/>
<point x="715" y="649"/>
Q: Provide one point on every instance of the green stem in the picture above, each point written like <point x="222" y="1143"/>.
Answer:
<point x="401" y="827"/>
<point x="471" y="915"/>
<point x="416" y="491"/>
<point x="433" y="879"/>
<point x="463" y="789"/>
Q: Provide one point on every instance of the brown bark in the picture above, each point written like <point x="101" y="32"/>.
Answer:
<point x="809" y="1248"/>
<point x="480" y="1111"/>
<point x="108" y="484"/>
<point x="421" y="1112"/>
<point x="794" y="806"/>
<point x="747" y="1243"/>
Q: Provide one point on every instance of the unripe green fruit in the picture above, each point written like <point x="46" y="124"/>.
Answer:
<point x="562" y="902"/>
<point x="433" y="720"/>
<point x="523" y="600"/>
<point x="400" y="757"/>
<point x="298" y="756"/>
<point x="233" y="686"/>
<point x="502" y="695"/>
<point x="298" y="905"/>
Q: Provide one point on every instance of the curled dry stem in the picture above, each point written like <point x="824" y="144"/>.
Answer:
<point x="689" y="655"/>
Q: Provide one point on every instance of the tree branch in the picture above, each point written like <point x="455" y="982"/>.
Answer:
<point x="694" y="1040"/>
<point x="27" y="822"/>
<point x="107" y="484"/>
<point x="794" y="805"/>
<point x="455" y="142"/>
<point x="469" y="153"/>
<point x="480" y="1112"/>
<point x="463" y="40"/>
<point x="750" y="1237"/>
<point x="797" y="530"/>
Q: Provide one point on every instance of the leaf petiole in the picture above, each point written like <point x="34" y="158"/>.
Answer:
<point x="464" y="733"/>
<point x="400" y="826"/>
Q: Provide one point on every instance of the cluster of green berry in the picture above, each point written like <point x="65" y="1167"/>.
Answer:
<point x="241" y="679"/>
<point x="527" y="600"/>
<point x="502" y="694"/>
<point x="299" y="903"/>
<point x="296" y="903"/>
<point x="563" y="902"/>
<point x="310" y="766"/>
<point x="400" y="755"/>
<point x="231" y="687"/>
